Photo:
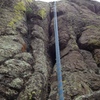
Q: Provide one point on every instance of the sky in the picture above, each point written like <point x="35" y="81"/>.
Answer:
<point x="58" y="0"/>
<point x="97" y="0"/>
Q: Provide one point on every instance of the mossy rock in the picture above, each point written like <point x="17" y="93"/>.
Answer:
<point x="19" y="10"/>
<point x="94" y="42"/>
<point x="16" y="83"/>
<point x="42" y="13"/>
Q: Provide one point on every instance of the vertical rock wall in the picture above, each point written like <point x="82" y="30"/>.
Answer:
<point x="27" y="50"/>
<point x="79" y="33"/>
<point x="24" y="60"/>
<point x="36" y="87"/>
<point x="13" y="63"/>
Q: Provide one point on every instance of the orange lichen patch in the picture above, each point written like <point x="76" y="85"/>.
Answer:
<point x="24" y="47"/>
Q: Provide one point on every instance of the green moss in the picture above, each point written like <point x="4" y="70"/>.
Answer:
<point x="92" y="27"/>
<point x="72" y="36"/>
<point x="19" y="8"/>
<point x="97" y="59"/>
<point x="29" y="0"/>
<point x="94" y="42"/>
<point x="64" y="81"/>
<point x="98" y="17"/>
<point x="42" y="13"/>
<point x="16" y="83"/>
<point x="79" y="98"/>
<point x="29" y="10"/>
<point x="30" y="95"/>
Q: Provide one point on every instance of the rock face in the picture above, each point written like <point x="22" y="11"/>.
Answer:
<point x="27" y="50"/>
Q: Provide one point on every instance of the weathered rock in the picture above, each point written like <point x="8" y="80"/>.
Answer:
<point x="90" y="38"/>
<point x="79" y="69"/>
<point x="7" y="93"/>
<point x="92" y="96"/>
<point x="11" y="46"/>
<point x="12" y="17"/>
<point x="13" y="70"/>
<point x="97" y="56"/>
<point x="27" y="50"/>
<point x="36" y="86"/>
<point x="89" y="60"/>
<point x="14" y="67"/>
<point x="78" y="75"/>
<point x="27" y="57"/>
<point x="16" y="83"/>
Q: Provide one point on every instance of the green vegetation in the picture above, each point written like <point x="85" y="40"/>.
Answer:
<point x="19" y="8"/>
<point x="29" y="0"/>
<point x="30" y="95"/>
<point x="94" y="42"/>
<point x="42" y="13"/>
<point x="92" y="27"/>
<point x="97" y="59"/>
<point x="29" y="10"/>
<point x="97" y="17"/>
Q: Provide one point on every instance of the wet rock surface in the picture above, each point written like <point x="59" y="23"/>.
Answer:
<point x="27" y="50"/>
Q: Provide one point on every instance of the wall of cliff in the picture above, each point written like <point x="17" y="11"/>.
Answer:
<point x="27" y="50"/>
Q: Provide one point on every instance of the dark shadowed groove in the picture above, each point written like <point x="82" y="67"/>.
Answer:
<point x="52" y="54"/>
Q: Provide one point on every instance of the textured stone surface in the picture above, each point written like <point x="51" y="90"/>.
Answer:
<point x="27" y="50"/>
<point x="97" y="56"/>
<point x="79" y="69"/>
<point x="9" y="47"/>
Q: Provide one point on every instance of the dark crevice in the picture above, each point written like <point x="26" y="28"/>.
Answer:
<point x="98" y="65"/>
<point x="74" y="96"/>
<point x="77" y="40"/>
<point x="66" y="54"/>
<point x="51" y="53"/>
<point x="51" y="48"/>
<point x="49" y="84"/>
<point x="49" y="31"/>
<point x="27" y="37"/>
<point x="53" y="57"/>
<point x="49" y="90"/>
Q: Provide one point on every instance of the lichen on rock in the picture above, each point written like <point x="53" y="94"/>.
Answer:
<point x="42" y="13"/>
<point x="27" y="50"/>
<point x="19" y="9"/>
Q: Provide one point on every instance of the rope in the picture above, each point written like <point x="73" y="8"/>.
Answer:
<point x="58" y="62"/>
